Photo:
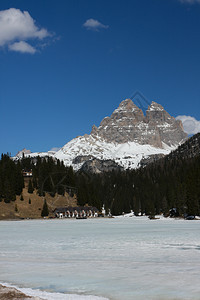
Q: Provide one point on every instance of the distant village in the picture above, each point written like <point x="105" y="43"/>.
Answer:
<point x="81" y="212"/>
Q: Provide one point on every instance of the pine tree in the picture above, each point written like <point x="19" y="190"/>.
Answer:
<point x="35" y="185"/>
<point x="9" y="193"/>
<point x="21" y="197"/>
<point x="45" y="210"/>
<point x="30" y="187"/>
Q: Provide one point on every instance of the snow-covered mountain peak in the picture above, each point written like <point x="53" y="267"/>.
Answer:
<point x="126" y="106"/>
<point x="23" y="152"/>
<point x="155" y="107"/>
<point x="127" y="137"/>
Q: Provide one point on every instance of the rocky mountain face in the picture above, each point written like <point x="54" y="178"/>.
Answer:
<point x="127" y="139"/>
<point x="128" y="124"/>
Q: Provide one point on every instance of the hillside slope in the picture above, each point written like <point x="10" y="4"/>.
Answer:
<point x="32" y="205"/>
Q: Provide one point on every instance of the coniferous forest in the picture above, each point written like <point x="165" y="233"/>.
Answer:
<point x="11" y="179"/>
<point x="171" y="182"/>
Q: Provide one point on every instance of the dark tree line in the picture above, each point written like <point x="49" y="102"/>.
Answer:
<point x="11" y="179"/>
<point x="171" y="182"/>
<point x="49" y="176"/>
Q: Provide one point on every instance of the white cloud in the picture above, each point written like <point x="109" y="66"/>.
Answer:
<point x="18" y="26"/>
<point x="189" y="1"/>
<point x="22" y="47"/>
<point x="190" y="124"/>
<point x="94" y="25"/>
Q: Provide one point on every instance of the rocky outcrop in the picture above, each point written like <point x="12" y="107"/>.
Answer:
<point x="98" y="166"/>
<point x="150" y="159"/>
<point x="82" y="158"/>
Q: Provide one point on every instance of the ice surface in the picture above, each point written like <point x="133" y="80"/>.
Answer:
<point x="121" y="258"/>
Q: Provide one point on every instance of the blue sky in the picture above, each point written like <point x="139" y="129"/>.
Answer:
<point x="65" y="65"/>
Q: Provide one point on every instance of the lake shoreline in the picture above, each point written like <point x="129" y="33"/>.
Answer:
<point x="129" y="215"/>
<point x="11" y="293"/>
<point x="156" y="218"/>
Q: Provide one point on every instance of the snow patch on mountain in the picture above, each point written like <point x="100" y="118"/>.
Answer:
<point x="127" y="155"/>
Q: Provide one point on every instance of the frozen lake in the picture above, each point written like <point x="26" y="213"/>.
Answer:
<point x="121" y="259"/>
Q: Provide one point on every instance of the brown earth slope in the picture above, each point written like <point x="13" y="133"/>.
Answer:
<point x="23" y="209"/>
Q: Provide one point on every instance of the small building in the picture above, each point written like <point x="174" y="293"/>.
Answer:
<point x="27" y="173"/>
<point x="76" y="212"/>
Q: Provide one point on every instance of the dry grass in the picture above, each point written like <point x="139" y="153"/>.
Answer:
<point x="22" y="209"/>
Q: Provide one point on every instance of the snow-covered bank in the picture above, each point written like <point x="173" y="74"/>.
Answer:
<point x="157" y="217"/>
<point x="8" y="292"/>
<point x="13" y="292"/>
